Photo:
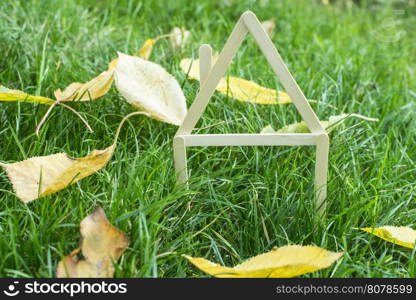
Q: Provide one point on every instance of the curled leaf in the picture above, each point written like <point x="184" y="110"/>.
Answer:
<point x="288" y="261"/>
<point x="40" y="176"/>
<point x="302" y="127"/>
<point x="179" y="37"/>
<point x="16" y="95"/>
<point x="238" y="88"/>
<point x="403" y="236"/>
<point x="90" y="90"/>
<point x="150" y="88"/>
<point x="102" y="244"/>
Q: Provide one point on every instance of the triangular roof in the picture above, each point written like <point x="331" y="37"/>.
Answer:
<point x="248" y="23"/>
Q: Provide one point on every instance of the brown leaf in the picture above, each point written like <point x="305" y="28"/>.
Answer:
<point x="102" y="244"/>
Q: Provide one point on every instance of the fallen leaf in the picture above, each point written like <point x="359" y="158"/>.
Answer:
<point x="150" y="88"/>
<point x="77" y="91"/>
<point x="16" y="95"/>
<point x="288" y="261"/>
<point x="191" y="67"/>
<point x="102" y="244"/>
<point x="146" y="50"/>
<point x="269" y="26"/>
<point x="248" y="91"/>
<point x="100" y="85"/>
<point x="113" y="64"/>
<point x="40" y="176"/>
<point x="238" y="88"/>
<point x="90" y="90"/>
<point x="268" y="129"/>
<point x="179" y="37"/>
<point x="302" y="127"/>
<point x="403" y="236"/>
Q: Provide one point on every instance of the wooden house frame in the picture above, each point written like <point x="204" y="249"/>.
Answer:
<point x="209" y="78"/>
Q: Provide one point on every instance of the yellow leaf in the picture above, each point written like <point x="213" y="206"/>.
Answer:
<point x="302" y="127"/>
<point x="288" y="261"/>
<point x="403" y="236"/>
<point x="101" y="84"/>
<point x="238" y="88"/>
<point x="90" y="90"/>
<point x="248" y="91"/>
<point x="16" y="95"/>
<point x="179" y="37"/>
<point x="150" y="88"/>
<point x="113" y="64"/>
<point x="102" y="244"/>
<point x="269" y="26"/>
<point x="40" y="176"/>
<point x="191" y="67"/>
<point x="146" y="50"/>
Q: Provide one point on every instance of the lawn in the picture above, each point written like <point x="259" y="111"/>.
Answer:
<point x="241" y="201"/>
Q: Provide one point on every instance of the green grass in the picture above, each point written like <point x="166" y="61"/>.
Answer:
<point x="241" y="201"/>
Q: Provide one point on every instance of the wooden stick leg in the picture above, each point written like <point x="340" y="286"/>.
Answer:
<point x="321" y="172"/>
<point x="205" y="62"/>
<point x="179" y="156"/>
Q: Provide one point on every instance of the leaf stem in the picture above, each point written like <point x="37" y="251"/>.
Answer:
<point x="124" y="120"/>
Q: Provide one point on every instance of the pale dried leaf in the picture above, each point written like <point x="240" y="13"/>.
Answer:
<point x="268" y="129"/>
<point x="102" y="245"/>
<point x="302" y="127"/>
<point x="288" y="261"/>
<point x="179" y="37"/>
<point x="16" y="95"/>
<point x="146" y="50"/>
<point x="403" y="236"/>
<point x="150" y="88"/>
